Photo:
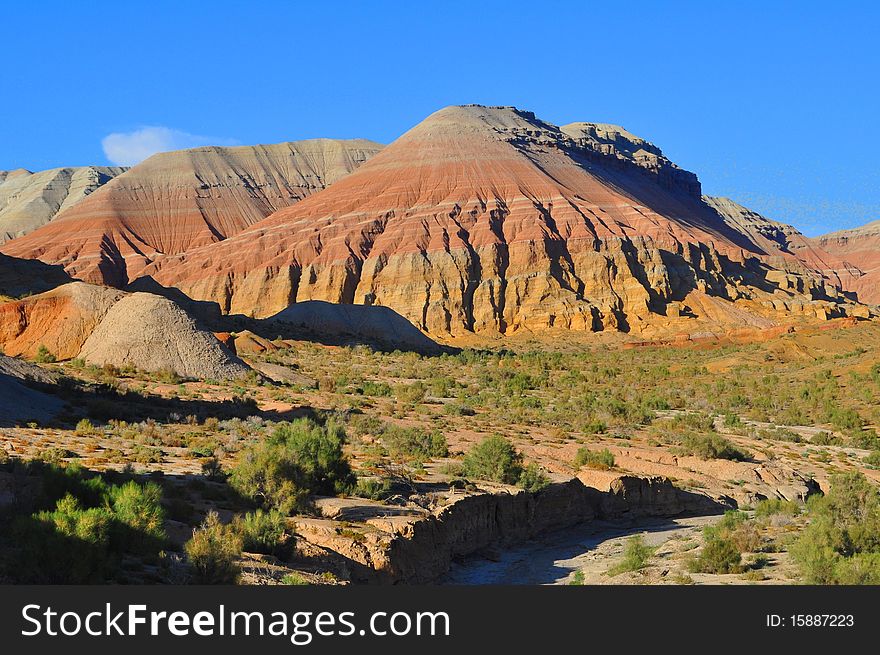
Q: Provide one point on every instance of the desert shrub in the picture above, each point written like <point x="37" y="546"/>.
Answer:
<point x="373" y="488"/>
<point x="826" y="439"/>
<point x="263" y="532"/>
<point x="213" y="552"/>
<point x="719" y="555"/>
<point x="635" y="556"/>
<point x="84" y="428"/>
<point x="594" y="459"/>
<point x="841" y="544"/>
<point x="370" y="388"/>
<point x="532" y="478"/>
<point x="414" y="443"/>
<point x="67" y="545"/>
<point x="411" y="393"/>
<point x="872" y="458"/>
<point x="724" y="544"/>
<point x="300" y="459"/>
<point x="295" y="579"/>
<point x="54" y="455"/>
<point x="458" y="409"/>
<point x="85" y="527"/>
<point x="43" y="355"/>
<point x="775" y="506"/>
<point x="493" y="459"/>
<point x="863" y="438"/>
<point x="712" y="446"/>
<point x="694" y="421"/>
<point x="843" y="418"/>
<point x="139" y="515"/>
<point x="213" y="470"/>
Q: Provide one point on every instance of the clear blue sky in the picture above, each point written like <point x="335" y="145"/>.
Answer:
<point x="775" y="106"/>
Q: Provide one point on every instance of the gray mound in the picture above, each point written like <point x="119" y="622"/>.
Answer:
<point x="19" y="403"/>
<point x="372" y="323"/>
<point x="154" y="334"/>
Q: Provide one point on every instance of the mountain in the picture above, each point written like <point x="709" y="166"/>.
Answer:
<point x="175" y="201"/>
<point x="488" y="220"/>
<point x="30" y="200"/>
<point x="784" y="246"/>
<point x="860" y="247"/>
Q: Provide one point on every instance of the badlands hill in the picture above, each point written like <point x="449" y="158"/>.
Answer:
<point x="860" y="247"/>
<point x="18" y="401"/>
<point x="488" y="220"/>
<point x="30" y="200"/>
<point x="102" y="325"/>
<point x="176" y="201"/>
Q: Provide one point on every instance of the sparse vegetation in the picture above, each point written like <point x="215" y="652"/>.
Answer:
<point x="602" y="459"/>
<point x="841" y="544"/>
<point x="636" y="554"/>
<point x="299" y="460"/>
<point x="213" y="552"/>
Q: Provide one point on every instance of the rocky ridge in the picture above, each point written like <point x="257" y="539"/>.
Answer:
<point x="175" y="201"/>
<point x="487" y="220"/>
<point x="859" y="247"/>
<point x="30" y="200"/>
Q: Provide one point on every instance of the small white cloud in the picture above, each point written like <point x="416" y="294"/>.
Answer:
<point x="130" y="148"/>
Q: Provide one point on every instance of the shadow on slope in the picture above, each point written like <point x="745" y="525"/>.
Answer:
<point x="21" y="277"/>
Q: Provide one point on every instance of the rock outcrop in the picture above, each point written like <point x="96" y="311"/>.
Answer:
<point x="60" y="319"/>
<point x="30" y="200"/>
<point x="860" y="248"/>
<point x="152" y="333"/>
<point x="176" y="201"/>
<point x="103" y="325"/>
<point x="419" y="548"/>
<point x="488" y="220"/>
<point x="20" y="403"/>
<point x="786" y="249"/>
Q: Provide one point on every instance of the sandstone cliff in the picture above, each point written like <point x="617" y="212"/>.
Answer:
<point x="860" y="248"/>
<point x="418" y="546"/>
<point x="30" y="200"/>
<point x="179" y="200"/>
<point x="488" y="220"/>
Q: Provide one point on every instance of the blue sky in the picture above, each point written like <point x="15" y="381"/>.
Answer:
<point x="775" y="106"/>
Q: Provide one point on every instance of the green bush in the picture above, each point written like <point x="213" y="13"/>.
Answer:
<point x="601" y="459"/>
<point x="532" y="478"/>
<point x="213" y="552"/>
<point x="263" y="532"/>
<point x="414" y="443"/>
<point x="841" y="544"/>
<point x="84" y="428"/>
<point x="44" y="356"/>
<point x="373" y="488"/>
<point x="635" y="556"/>
<point x="493" y="459"/>
<point x="719" y="555"/>
<point x="774" y="506"/>
<point x="139" y="515"/>
<point x="86" y="528"/>
<point x="370" y="388"/>
<point x="299" y="460"/>
<point x="712" y="446"/>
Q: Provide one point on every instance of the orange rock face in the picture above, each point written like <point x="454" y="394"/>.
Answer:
<point x="859" y="247"/>
<point x="176" y="201"/>
<point x="488" y="220"/>
<point x="61" y="319"/>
